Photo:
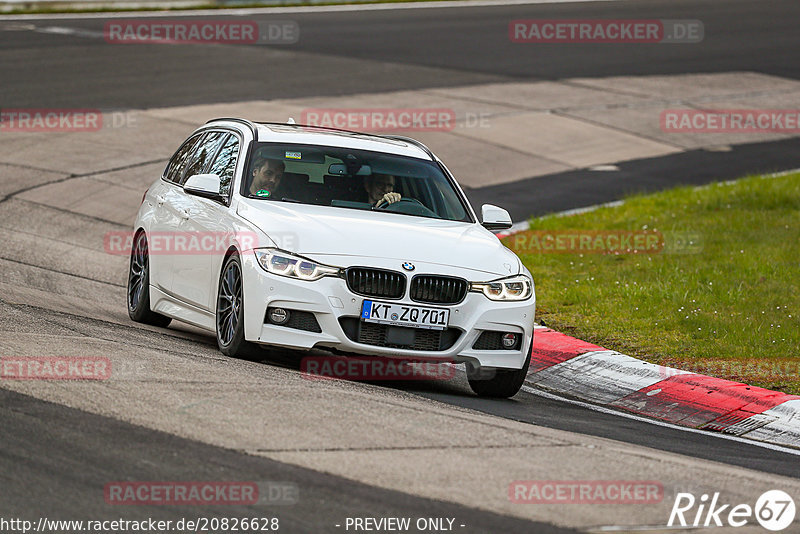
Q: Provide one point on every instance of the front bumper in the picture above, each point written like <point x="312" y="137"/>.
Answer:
<point x="330" y="300"/>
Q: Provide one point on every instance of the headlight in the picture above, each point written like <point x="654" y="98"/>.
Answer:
<point x="276" y="261"/>
<point x="514" y="288"/>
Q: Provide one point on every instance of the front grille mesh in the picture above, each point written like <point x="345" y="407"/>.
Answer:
<point x="376" y="282"/>
<point x="299" y="320"/>
<point x="375" y="334"/>
<point x="438" y="289"/>
<point x="302" y="320"/>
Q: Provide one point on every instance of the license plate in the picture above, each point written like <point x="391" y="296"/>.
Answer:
<point x="404" y="315"/>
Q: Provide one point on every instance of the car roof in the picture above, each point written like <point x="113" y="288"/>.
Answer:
<point x="316" y="135"/>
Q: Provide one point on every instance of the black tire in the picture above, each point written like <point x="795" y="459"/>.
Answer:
<point x="229" y="316"/>
<point x="503" y="383"/>
<point x="138" y="292"/>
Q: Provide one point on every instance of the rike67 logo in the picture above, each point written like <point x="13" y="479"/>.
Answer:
<point x="774" y="510"/>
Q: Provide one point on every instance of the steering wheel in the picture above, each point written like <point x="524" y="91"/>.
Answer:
<point x="408" y="206"/>
<point x="383" y="204"/>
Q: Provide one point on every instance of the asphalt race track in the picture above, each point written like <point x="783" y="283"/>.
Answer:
<point x="371" y="51"/>
<point x="180" y="411"/>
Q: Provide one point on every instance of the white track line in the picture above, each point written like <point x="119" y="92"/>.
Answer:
<point x="603" y="409"/>
<point x="295" y="9"/>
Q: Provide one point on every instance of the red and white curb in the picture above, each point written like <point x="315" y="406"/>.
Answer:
<point x="581" y="370"/>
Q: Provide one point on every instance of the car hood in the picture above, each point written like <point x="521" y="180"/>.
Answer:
<point x="322" y="230"/>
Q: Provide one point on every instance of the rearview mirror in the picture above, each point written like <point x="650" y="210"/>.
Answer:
<point x="340" y="169"/>
<point x="203" y="185"/>
<point x="494" y="218"/>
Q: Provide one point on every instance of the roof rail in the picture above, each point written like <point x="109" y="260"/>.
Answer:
<point x="314" y="126"/>
<point x="246" y="122"/>
<point x="251" y="125"/>
<point x="379" y="136"/>
<point x="413" y="142"/>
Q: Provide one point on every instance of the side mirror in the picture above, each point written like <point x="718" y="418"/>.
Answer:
<point x="494" y="218"/>
<point x="203" y="185"/>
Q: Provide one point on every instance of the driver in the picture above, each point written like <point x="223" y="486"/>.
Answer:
<point x="380" y="188"/>
<point x="267" y="176"/>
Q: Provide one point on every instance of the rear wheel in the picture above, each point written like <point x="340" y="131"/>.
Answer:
<point x="139" y="285"/>
<point x="503" y="383"/>
<point x="230" y="312"/>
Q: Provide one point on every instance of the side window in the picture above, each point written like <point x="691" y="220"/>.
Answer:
<point x="200" y="156"/>
<point x="225" y="164"/>
<point x="176" y="164"/>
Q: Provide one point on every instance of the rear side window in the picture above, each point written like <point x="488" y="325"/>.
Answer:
<point x="224" y="165"/>
<point x="201" y="155"/>
<point x="178" y="162"/>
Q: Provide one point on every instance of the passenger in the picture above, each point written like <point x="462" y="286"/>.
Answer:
<point x="380" y="188"/>
<point x="267" y="177"/>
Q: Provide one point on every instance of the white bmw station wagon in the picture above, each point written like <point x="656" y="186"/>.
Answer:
<point x="320" y="238"/>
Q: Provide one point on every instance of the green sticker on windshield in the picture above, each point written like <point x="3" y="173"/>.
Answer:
<point x="262" y="193"/>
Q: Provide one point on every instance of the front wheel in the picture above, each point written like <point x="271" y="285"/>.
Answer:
<point x="230" y="312"/>
<point x="504" y="383"/>
<point x="139" y="286"/>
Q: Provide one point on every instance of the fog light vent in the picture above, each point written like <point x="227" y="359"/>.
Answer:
<point x="496" y="340"/>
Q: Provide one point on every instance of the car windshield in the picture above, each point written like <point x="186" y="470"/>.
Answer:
<point x="351" y="179"/>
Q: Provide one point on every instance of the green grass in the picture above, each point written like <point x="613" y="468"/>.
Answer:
<point x="727" y="306"/>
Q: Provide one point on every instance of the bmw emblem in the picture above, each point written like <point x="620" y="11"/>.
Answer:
<point x="408" y="266"/>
